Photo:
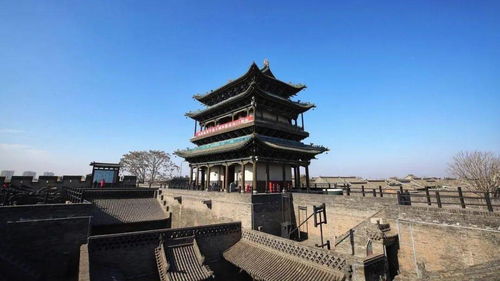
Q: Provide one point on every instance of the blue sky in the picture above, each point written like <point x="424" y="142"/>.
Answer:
<point x="400" y="86"/>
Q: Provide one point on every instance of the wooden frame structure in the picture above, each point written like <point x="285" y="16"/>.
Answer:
<point x="249" y="134"/>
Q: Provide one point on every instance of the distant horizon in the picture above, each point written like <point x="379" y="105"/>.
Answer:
<point x="19" y="173"/>
<point x="399" y="87"/>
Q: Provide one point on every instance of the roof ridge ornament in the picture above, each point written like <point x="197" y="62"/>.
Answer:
<point x="266" y="62"/>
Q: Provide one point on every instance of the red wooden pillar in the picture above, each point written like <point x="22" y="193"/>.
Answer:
<point x="267" y="178"/>
<point x="226" y="177"/>
<point x="242" y="177"/>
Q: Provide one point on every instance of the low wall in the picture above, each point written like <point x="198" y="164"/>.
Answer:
<point x="117" y="193"/>
<point x="117" y="252"/>
<point x="269" y="212"/>
<point x="343" y="213"/>
<point x="429" y="237"/>
<point x="192" y="208"/>
<point x="73" y="181"/>
<point x="43" y="211"/>
<point x="55" y="257"/>
<point x="432" y="239"/>
<point x="130" y="227"/>
<point x="46" y="237"/>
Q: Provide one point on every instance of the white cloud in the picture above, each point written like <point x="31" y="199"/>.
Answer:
<point x="10" y="131"/>
<point x="22" y="157"/>
<point x="16" y="148"/>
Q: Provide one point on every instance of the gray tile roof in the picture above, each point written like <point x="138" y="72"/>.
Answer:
<point x="253" y="89"/>
<point x="271" y="258"/>
<point x="180" y="259"/>
<point x="116" y="211"/>
<point x="254" y="69"/>
<point x="240" y="142"/>
<point x="265" y="264"/>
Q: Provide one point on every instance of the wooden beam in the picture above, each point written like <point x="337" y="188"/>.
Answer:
<point x="242" y="176"/>
<point x="218" y="177"/>
<point x="298" y="176"/>
<point x="196" y="176"/>
<point x="226" y="177"/>
<point x="190" y="175"/>
<point x="208" y="178"/>
<point x="283" y="177"/>
<point x="254" y="176"/>
<point x="307" y="177"/>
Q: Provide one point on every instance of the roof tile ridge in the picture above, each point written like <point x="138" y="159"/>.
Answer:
<point x="252" y="67"/>
<point x="250" y="87"/>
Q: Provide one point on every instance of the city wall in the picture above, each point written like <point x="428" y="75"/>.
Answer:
<point x="114" y="253"/>
<point x="53" y="258"/>
<point x="194" y="208"/>
<point x="43" y="211"/>
<point x="430" y="239"/>
<point x="64" y="228"/>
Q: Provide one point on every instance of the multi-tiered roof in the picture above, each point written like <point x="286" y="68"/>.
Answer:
<point x="250" y="116"/>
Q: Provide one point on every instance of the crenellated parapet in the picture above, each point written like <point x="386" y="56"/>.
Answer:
<point x="267" y="257"/>
<point x="286" y="246"/>
<point x="152" y="237"/>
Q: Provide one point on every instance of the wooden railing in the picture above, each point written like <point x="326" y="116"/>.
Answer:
<point x="74" y="195"/>
<point x="457" y="197"/>
<point x="427" y="196"/>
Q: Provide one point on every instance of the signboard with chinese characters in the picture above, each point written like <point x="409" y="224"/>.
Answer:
<point x="242" y="120"/>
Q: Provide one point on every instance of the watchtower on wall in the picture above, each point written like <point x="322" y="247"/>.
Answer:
<point x="249" y="134"/>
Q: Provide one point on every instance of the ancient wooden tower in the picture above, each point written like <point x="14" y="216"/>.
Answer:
<point x="249" y="136"/>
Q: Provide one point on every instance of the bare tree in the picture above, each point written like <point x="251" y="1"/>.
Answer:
<point x="135" y="162"/>
<point x="149" y="166"/>
<point x="479" y="170"/>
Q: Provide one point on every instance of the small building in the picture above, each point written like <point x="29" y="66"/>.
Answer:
<point x="108" y="173"/>
<point x="29" y="174"/>
<point x="8" y="174"/>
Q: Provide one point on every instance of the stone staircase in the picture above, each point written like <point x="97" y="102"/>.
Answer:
<point x="161" y="198"/>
